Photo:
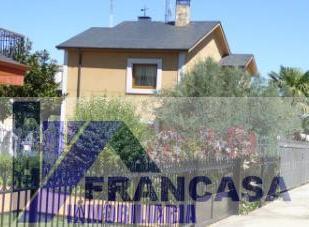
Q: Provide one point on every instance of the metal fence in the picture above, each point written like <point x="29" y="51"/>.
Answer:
<point x="62" y="205"/>
<point x="65" y="205"/>
<point x="9" y="42"/>
<point x="294" y="166"/>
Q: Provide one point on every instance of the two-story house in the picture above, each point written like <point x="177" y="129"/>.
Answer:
<point x="144" y="56"/>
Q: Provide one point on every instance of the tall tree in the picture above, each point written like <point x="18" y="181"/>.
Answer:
<point x="39" y="79"/>
<point x="209" y="79"/>
<point x="207" y="99"/>
<point x="294" y="83"/>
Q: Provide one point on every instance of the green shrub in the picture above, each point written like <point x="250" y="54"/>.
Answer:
<point x="215" y="97"/>
<point x="247" y="207"/>
<point x="122" y="149"/>
<point x="5" y="169"/>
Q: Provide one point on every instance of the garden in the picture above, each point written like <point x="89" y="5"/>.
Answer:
<point x="217" y="123"/>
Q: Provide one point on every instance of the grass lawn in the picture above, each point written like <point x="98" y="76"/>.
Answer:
<point x="5" y="222"/>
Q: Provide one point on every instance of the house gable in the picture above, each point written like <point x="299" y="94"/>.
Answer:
<point x="213" y="45"/>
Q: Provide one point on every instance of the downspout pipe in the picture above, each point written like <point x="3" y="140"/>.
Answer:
<point x="80" y="63"/>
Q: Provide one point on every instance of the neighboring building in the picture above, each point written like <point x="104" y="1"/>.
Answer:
<point x="11" y="72"/>
<point x="59" y="78"/>
<point x="142" y="57"/>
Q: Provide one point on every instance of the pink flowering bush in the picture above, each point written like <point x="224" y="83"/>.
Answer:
<point x="171" y="146"/>
<point x="240" y="143"/>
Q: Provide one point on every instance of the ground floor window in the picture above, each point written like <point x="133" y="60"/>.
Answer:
<point x="144" y="76"/>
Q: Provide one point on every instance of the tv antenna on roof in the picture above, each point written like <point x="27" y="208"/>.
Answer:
<point x="168" y="11"/>
<point x="145" y="11"/>
<point x="111" y="14"/>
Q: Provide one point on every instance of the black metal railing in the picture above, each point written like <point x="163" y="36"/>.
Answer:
<point x="9" y="42"/>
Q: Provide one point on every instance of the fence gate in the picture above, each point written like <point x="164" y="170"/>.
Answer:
<point x="294" y="167"/>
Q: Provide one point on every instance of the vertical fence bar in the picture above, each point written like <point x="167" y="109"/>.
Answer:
<point x="33" y="212"/>
<point x="25" y="206"/>
<point x="64" y="204"/>
<point x="53" y="206"/>
<point x="40" y="207"/>
<point x="47" y="205"/>
<point x="10" y="209"/>
<point x="2" y="208"/>
<point x="237" y="179"/>
<point x="57" y="216"/>
<point x="18" y="208"/>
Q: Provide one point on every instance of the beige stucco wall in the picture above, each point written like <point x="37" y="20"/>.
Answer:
<point x="72" y="71"/>
<point x="104" y="72"/>
<point x="211" y="47"/>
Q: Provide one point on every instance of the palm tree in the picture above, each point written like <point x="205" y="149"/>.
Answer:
<point x="292" y="82"/>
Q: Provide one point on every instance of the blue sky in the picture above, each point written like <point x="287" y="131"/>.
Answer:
<point x="276" y="31"/>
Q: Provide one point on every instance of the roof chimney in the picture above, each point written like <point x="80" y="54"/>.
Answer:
<point x="183" y="12"/>
<point x="144" y="18"/>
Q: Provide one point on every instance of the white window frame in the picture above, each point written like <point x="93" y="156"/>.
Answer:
<point x="181" y="66"/>
<point x="150" y="61"/>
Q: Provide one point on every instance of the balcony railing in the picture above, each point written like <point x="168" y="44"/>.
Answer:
<point x="9" y="42"/>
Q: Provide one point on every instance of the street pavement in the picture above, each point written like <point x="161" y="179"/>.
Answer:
<point x="276" y="214"/>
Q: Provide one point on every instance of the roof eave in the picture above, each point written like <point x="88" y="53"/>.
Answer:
<point x="117" y="48"/>
<point x="250" y="62"/>
<point x="14" y="65"/>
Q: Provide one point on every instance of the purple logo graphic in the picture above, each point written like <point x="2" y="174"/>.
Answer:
<point x="159" y="200"/>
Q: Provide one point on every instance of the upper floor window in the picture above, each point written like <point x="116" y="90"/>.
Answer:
<point x="144" y="76"/>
